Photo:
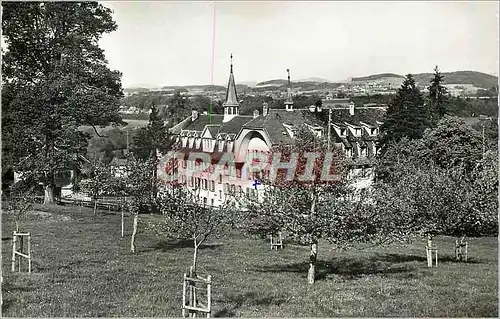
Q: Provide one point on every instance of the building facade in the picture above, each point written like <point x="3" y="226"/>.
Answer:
<point x="353" y="129"/>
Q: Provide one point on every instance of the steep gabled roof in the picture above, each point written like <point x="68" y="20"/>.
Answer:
<point x="231" y="96"/>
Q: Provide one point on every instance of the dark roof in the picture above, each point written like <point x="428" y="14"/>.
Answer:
<point x="213" y="129"/>
<point x="367" y="115"/>
<point x="200" y="122"/>
<point x="235" y="124"/>
<point x="274" y="121"/>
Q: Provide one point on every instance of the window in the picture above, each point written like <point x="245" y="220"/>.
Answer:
<point x="212" y="202"/>
<point x="220" y="194"/>
<point x="204" y="200"/>
<point x="226" y="188"/>
<point x="233" y="189"/>
<point x="205" y="184"/>
<point x="357" y="132"/>
<point x="238" y="173"/>
<point x="212" y="186"/>
<point x="240" y="190"/>
<point x="191" y="181"/>
<point x="220" y="178"/>
<point x="343" y="132"/>
<point x="363" y="151"/>
<point x="373" y="131"/>
<point x="184" y="164"/>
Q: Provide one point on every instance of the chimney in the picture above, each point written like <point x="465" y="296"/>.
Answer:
<point x="265" y="109"/>
<point x="194" y="115"/>
<point x="255" y="113"/>
<point x="351" y="108"/>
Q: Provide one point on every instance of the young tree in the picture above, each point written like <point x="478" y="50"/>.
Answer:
<point x="137" y="187"/>
<point x="152" y="141"/>
<point x="185" y="217"/>
<point x="19" y="202"/>
<point x="55" y="79"/>
<point x="405" y="115"/>
<point x="438" y="97"/>
<point x="430" y="200"/>
<point x="314" y="208"/>
<point x="100" y="181"/>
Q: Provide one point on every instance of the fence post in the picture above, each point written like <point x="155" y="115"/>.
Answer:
<point x="209" y="295"/>
<point x="14" y="239"/>
<point x="29" y="252"/>
<point x="184" y="297"/>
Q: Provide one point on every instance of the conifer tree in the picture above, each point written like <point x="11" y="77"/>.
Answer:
<point x="438" y="97"/>
<point x="405" y="116"/>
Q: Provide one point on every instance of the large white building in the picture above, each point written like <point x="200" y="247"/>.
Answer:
<point x="353" y="129"/>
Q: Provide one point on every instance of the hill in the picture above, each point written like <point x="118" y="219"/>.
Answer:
<point x="377" y="77"/>
<point x="479" y="79"/>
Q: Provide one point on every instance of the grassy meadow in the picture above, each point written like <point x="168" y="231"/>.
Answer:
<point x="82" y="267"/>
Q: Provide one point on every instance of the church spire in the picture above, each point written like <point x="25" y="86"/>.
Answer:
<point x="289" y="98"/>
<point x="231" y="105"/>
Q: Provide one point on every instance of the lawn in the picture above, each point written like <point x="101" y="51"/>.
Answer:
<point x="83" y="268"/>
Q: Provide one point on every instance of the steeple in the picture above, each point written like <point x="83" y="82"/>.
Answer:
<point x="231" y="106"/>
<point x="289" y="99"/>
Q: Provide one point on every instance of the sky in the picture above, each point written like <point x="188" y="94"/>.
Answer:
<point x="180" y="43"/>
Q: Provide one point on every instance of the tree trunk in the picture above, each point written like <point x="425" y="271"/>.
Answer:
<point x="134" y="232"/>
<point x="195" y="257"/>
<point x="311" y="275"/>
<point x="95" y="205"/>
<point x="122" y="221"/>
<point x="49" y="194"/>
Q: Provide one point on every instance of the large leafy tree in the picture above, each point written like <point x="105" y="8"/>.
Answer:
<point x="405" y="115"/>
<point x="438" y="97"/>
<point x="55" y="79"/>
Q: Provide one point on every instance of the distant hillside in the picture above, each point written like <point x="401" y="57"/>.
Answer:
<point x="377" y="77"/>
<point x="131" y="90"/>
<point x="479" y="79"/>
<point x="277" y="82"/>
<point x="315" y="79"/>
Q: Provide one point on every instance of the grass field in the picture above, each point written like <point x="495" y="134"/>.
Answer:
<point x="83" y="268"/>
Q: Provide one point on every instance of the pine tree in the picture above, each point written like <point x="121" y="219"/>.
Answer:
<point x="438" y="97"/>
<point x="405" y="115"/>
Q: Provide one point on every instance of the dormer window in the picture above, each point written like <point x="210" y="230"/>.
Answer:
<point x="357" y="131"/>
<point x="373" y="131"/>
<point x="363" y="151"/>
<point x="348" y="152"/>
<point x="343" y="132"/>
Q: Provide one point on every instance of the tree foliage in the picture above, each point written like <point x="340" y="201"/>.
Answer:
<point x="406" y="116"/>
<point x="55" y="78"/>
<point x="438" y="97"/>
<point x="314" y="209"/>
<point x="186" y="218"/>
<point x="100" y="182"/>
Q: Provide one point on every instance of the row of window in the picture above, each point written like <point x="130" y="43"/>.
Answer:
<point x="357" y="131"/>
